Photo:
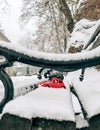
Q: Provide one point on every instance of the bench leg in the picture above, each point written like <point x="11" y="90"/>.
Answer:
<point x="12" y="122"/>
<point x="95" y="123"/>
<point x="47" y="124"/>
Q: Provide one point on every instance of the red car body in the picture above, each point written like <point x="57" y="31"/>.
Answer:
<point x="53" y="83"/>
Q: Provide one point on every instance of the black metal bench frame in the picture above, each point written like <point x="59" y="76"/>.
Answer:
<point x="12" y="56"/>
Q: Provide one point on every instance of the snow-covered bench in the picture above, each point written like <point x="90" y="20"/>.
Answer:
<point x="45" y="108"/>
<point x="60" y="62"/>
<point x="88" y="92"/>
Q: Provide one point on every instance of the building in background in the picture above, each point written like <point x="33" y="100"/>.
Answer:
<point x="3" y="38"/>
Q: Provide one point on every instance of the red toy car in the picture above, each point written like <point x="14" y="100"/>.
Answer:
<point x="53" y="83"/>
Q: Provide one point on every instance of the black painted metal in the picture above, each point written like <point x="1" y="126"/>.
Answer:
<point x="40" y="73"/>
<point x="65" y="66"/>
<point x="82" y="75"/>
<point x="8" y="86"/>
<point x="82" y="108"/>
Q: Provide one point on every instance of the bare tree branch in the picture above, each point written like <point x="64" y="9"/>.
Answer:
<point x="65" y="9"/>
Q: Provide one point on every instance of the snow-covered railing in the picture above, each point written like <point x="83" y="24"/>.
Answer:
<point x="61" y="62"/>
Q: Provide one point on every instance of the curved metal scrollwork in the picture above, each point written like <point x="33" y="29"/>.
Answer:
<point x="8" y="86"/>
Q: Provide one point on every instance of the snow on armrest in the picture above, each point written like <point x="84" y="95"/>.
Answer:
<point x="63" y="62"/>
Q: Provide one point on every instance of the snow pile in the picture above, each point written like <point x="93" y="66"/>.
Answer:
<point x="49" y="103"/>
<point x="88" y="90"/>
<point x="80" y="122"/>
<point x="82" y="33"/>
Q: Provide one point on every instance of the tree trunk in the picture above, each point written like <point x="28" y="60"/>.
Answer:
<point x="66" y="11"/>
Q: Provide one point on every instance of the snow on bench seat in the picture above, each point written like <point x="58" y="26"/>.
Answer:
<point x="43" y="104"/>
<point x="89" y="94"/>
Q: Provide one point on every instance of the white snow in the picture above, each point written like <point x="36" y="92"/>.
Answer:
<point x="59" y="104"/>
<point x="9" y="15"/>
<point x="53" y="57"/>
<point x="82" y="32"/>
<point x="49" y="103"/>
<point x="80" y="122"/>
<point x="88" y="90"/>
